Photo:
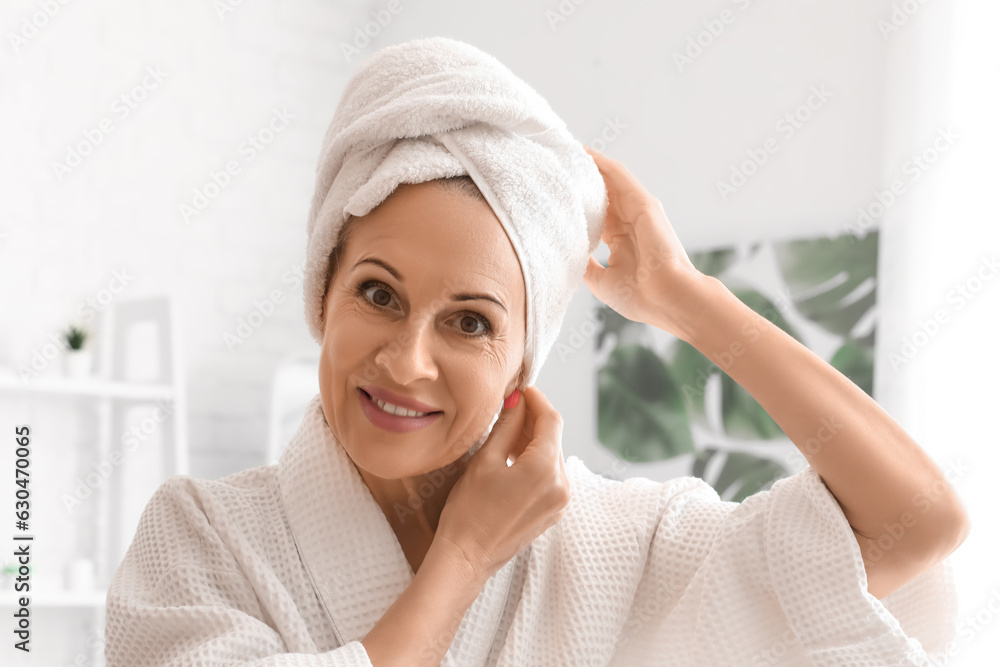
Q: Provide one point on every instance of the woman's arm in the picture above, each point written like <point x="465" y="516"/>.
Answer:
<point x="877" y="473"/>
<point x="180" y="597"/>
<point x="420" y="625"/>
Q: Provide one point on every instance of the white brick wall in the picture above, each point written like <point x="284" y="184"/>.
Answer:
<point x="120" y="207"/>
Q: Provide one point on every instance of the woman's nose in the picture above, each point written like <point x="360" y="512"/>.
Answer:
<point x="408" y="356"/>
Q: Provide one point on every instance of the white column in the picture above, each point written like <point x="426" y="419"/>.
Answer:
<point x="940" y="237"/>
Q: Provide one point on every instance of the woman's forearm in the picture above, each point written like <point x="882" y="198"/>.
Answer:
<point x="869" y="463"/>
<point x="420" y="625"/>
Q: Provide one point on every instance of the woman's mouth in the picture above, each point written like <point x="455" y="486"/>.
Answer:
<point x="380" y="414"/>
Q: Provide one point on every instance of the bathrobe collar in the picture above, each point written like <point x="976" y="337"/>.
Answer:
<point x="353" y="557"/>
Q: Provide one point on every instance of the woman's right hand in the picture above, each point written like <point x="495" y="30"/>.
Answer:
<point x="493" y="511"/>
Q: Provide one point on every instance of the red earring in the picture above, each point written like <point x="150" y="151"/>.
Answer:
<point x="511" y="401"/>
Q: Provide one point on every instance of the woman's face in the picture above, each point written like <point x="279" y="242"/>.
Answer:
<point x="408" y="334"/>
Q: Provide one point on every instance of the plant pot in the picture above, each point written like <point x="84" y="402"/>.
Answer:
<point x="77" y="363"/>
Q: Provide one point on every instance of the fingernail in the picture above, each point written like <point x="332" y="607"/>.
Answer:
<point x="511" y="401"/>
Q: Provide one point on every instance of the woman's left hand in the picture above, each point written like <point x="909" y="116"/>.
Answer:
<point x="649" y="277"/>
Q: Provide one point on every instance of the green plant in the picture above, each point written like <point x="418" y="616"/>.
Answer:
<point x="649" y="402"/>
<point x="75" y="337"/>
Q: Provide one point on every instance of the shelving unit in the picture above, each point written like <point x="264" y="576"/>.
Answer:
<point x="67" y="599"/>
<point x="110" y="393"/>
<point x="89" y="387"/>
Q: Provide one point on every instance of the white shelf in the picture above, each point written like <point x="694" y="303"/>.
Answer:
<point x="67" y="599"/>
<point x="109" y="395"/>
<point x="88" y="387"/>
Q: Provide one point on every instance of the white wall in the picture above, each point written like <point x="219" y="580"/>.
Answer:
<point x="119" y="210"/>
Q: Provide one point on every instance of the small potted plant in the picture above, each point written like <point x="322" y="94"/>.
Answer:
<point x="8" y="574"/>
<point x="77" y="361"/>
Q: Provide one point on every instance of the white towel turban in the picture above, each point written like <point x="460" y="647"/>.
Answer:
<point x="436" y="108"/>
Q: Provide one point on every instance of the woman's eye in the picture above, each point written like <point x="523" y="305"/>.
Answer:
<point x="473" y="320"/>
<point x="380" y="301"/>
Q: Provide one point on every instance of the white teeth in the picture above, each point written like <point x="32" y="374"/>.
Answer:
<point x="396" y="410"/>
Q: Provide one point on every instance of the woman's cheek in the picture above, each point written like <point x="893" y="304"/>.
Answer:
<point x="495" y="359"/>
<point x="351" y="316"/>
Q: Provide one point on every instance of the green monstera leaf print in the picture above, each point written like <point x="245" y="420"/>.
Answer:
<point x="641" y="414"/>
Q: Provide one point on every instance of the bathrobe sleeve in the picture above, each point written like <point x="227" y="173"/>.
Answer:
<point x="181" y="597"/>
<point x="775" y="580"/>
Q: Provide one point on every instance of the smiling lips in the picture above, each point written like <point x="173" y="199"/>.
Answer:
<point x="397" y="400"/>
<point x="393" y="422"/>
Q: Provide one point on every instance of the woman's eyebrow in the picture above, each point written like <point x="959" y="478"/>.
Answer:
<point x="398" y="276"/>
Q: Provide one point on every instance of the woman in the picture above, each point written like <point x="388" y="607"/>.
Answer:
<point x="411" y="522"/>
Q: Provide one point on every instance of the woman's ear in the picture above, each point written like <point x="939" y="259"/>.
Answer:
<point x="511" y="387"/>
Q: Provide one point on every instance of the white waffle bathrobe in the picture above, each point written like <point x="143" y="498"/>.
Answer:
<point x="292" y="564"/>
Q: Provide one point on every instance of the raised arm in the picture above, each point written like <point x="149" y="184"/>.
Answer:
<point x="877" y="473"/>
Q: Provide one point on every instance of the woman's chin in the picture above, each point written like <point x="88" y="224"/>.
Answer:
<point x="392" y="466"/>
<point x="386" y="461"/>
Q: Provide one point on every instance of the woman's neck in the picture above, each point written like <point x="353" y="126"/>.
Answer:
<point x="413" y="505"/>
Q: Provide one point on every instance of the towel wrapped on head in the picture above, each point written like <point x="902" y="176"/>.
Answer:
<point x="436" y="108"/>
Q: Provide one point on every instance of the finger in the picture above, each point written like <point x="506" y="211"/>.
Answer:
<point x="594" y="272"/>
<point x="546" y="434"/>
<point x="547" y="441"/>
<point x="600" y="159"/>
<point x="625" y="192"/>
<point x="523" y="438"/>
<point x="598" y="156"/>
<point x="613" y="215"/>
<point x="504" y="434"/>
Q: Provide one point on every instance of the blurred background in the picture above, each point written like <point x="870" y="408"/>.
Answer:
<point x="834" y="163"/>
